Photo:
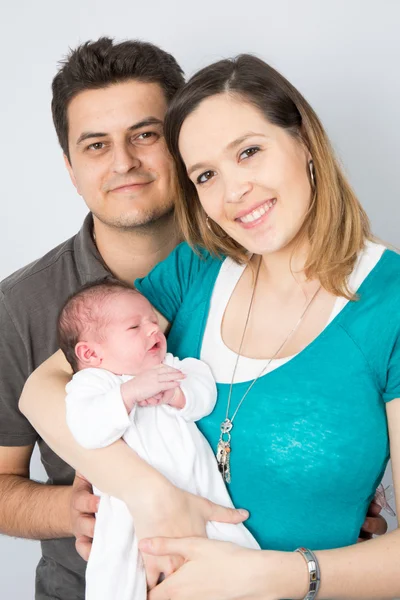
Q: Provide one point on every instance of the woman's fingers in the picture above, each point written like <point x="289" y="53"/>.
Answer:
<point x="222" y="514"/>
<point x="157" y="568"/>
<point x="162" y="546"/>
<point x="152" y="573"/>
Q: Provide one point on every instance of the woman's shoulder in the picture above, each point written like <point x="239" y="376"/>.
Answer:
<point x="191" y="260"/>
<point x="375" y="308"/>
<point x="385" y="277"/>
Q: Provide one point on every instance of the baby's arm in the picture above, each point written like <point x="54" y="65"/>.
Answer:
<point x="154" y="386"/>
<point x="96" y="414"/>
<point x="198" y="388"/>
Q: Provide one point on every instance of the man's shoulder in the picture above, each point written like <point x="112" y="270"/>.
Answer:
<point x="37" y="275"/>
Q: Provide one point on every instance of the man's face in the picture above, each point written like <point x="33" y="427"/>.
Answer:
<point x="119" y="162"/>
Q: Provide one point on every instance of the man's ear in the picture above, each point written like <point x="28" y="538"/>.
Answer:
<point x="71" y="173"/>
<point x="88" y="355"/>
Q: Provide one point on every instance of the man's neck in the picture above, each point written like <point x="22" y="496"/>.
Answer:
<point x="132" y="253"/>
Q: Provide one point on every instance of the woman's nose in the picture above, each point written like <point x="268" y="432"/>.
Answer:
<point x="236" y="190"/>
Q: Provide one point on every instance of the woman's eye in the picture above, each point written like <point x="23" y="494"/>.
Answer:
<point x="249" y="152"/>
<point x="206" y="176"/>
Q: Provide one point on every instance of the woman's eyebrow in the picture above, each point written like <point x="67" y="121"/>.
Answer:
<point x="236" y="142"/>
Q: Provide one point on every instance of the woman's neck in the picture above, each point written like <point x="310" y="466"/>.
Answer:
<point x="284" y="270"/>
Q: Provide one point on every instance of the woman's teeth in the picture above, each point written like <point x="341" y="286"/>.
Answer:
<point x="258" y="212"/>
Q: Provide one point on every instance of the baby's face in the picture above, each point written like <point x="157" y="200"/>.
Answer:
<point x="133" y="340"/>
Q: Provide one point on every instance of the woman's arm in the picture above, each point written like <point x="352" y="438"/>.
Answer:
<point x="224" y="571"/>
<point x="158" y="507"/>
<point x="43" y="403"/>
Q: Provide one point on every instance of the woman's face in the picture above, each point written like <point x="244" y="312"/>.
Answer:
<point x="251" y="176"/>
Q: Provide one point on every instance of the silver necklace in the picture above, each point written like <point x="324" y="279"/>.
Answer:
<point x="224" y="443"/>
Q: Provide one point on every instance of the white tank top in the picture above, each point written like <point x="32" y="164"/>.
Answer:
<point x="221" y="359"/>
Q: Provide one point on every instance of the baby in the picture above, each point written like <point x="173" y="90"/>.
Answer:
<point x="127" y="385"/>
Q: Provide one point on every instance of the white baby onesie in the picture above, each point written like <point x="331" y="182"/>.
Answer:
<point x="165" y="437"/>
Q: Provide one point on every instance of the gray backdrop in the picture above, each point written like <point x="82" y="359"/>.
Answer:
<point x="342" y="54"/>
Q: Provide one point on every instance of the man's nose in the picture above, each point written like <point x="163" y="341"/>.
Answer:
<point x="125" y="158"/>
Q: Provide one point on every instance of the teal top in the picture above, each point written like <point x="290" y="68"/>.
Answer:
<point x="310" y="442"/>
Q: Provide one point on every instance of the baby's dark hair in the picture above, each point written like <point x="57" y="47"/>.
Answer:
<point x="81" y="311"/>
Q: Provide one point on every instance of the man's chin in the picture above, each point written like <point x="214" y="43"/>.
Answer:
<point x="137" y="219"/>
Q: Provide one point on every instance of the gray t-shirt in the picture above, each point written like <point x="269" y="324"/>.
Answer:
<point x="30" y="300"/>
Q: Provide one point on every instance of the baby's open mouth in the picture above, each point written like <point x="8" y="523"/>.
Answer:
<point x="154" y="347"/>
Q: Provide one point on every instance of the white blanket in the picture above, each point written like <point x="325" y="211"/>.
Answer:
<point x="165" y="437"/>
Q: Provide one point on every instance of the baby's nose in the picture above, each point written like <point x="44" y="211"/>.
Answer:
<point x="152" y="328"/>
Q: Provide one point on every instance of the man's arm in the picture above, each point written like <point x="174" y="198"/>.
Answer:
<point x="29" y="509"/>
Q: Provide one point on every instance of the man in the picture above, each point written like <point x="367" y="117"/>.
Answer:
<point x="109" y="102"/>
<point x="108" y="105"/>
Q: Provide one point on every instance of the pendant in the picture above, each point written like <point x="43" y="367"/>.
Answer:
<point x="224" y="451"/>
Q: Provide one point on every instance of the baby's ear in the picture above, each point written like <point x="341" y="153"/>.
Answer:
<point x="87" y="354"/>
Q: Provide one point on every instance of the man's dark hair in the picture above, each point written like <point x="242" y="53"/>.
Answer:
<point x="101" y="63"/>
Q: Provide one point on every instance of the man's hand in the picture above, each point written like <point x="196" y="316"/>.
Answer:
<point x="83" y="506"/>
<point x="374" y="523"/>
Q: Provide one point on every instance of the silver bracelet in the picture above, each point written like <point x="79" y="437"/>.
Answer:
<point x="314" y="573"/>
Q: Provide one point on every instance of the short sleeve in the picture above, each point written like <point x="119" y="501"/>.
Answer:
<point x="168" y="283"/>
<point x="392" y="389"/>
<point x="15" y="429"/>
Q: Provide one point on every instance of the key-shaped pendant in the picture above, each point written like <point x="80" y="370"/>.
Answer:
<point x="223" y="456"/>
<point x="224" y="450"/>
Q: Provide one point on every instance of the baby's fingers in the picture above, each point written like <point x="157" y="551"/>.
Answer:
<point x="175" y="376"/>
<point x="169" y="385"/>
<point x="143" y="403"/>
<point x="167" y="369"/>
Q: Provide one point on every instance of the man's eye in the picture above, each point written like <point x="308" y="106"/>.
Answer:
<point x="147" y="135"/>
<point x="96" y="146"/>
<point x="206" y="176"/>
<point x="249" y="152"/>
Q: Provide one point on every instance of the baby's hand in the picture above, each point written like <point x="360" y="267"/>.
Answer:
<point x="150" y="384"/>
<point x="175" y="398"/>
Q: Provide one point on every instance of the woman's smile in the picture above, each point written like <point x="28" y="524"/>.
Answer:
<point x="256" y="216"/>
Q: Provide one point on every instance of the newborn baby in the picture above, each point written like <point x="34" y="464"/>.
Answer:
<point x="125" y="384"/>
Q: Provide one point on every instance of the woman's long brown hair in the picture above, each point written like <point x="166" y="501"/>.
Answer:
<point x="336" y="225"/>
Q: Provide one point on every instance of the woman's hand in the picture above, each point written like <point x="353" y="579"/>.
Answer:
<point x="171" y="512"/>
<point x="214" y="570"/>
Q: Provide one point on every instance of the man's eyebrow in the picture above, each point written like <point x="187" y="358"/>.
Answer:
<point x="86" y="135"/>
<point x="230" y="146"/>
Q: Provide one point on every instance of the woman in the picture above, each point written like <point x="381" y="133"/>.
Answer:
<point x="294" y="324"/>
